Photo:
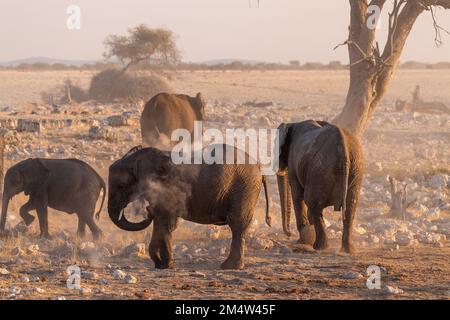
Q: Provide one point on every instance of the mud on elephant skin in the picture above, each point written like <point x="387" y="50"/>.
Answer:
<point x="218" y="194"/>
<point x="320" y="165"/>
<point x="67" y="185"/>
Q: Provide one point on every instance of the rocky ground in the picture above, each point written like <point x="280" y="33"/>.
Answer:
<point x="412" y="253"/>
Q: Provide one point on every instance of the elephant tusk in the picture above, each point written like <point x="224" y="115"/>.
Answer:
<point x="121" y="214"/>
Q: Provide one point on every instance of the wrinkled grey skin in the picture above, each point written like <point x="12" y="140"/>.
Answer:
<point x="167" y="112"/>
<point x="217" y="194"/>
<point x="320" y="165"/>
<point x="67" y="185"/>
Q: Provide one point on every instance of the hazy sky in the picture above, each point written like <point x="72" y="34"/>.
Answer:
<point x="280" y="30"/>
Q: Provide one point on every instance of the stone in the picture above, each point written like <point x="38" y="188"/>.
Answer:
<point x="38" y="290"/>
<point x="33" y="249"/>
<point x="119" y="120"/>
<point x="133" y="250"/>
<point x="18" y="252"/>
<point x="59" y="298"/>
<point x="129" y="279"/>
<point x="89" y="275"/>
<point x="392" y="290"/>
<point x="27" y="125"/>
<point x="85" y="291"/>
<point x="438" y="181"/>
<point x="3" y="272"/>
<point x="119" y="274"/>
<point x="351" y="275"/>
<point x="24" y="279"/>
<point x="433" y="213"/>
<point x="260" y="243"/>
<point x="404" y="238"/>
<point x="103" y="133"/>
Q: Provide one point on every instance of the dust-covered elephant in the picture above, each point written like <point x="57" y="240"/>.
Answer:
<point x="219" y="194"/>
<point x="67" y="185"/>
<point x="320" y="165"/>
<point x="167" y="112"/>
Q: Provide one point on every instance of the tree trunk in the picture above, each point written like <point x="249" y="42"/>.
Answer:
<point x="371" y="71"/>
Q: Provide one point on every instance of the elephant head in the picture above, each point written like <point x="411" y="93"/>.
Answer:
<point x="198" y="104"/>
<point x="27" y="176"/>
<point x="282" y="177"/>
<point x="128" y="181"/>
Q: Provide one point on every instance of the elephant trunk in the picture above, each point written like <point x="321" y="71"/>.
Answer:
<point x="5" y="203"/>
<point x="119" y="219"/>
<point x="285" y="202"/>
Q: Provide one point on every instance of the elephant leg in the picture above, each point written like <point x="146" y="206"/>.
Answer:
<point x="161" y="244"/>
<point x="96" y="231"/>
<point x="305" y="230"/>
<point x="319" y="226"/>
<point x="24" y="213"/>
<point x="350" y="211"/>
<point x="239" y="224"/>
<point x="42" y="213"/>
<point x="81" y="232"/>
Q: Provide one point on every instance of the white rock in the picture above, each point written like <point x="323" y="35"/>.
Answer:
<point x="392" y="290"/>
<point x="133" y="250"/>
<point x="261" y="243"/>
<point x="119" y="274"/>
<point x="33" y="249"/>
<point x="60" y="298"/>
<point x="130" y="279"/>
<point x="85" y="291"/>
<point x="39" y="290"/>
<point x="4" y="272"/>
<point x="352" y="275"/>
<point x="24" y="279"/>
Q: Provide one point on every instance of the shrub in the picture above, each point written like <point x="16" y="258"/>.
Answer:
<point x="60" y="94"/>
<point x="112" y="84"/>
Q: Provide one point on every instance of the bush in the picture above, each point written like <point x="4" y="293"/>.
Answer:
<point x="60" y="94"/>
<point x="112" y="84"/>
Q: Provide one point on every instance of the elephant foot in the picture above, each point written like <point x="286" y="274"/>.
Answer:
<point x="98" y="236"/>
<point x="307" y="235"/>
<point x="348" y="248"/>
<point x="28" y="219"/>
<point x="320" y="244"/>
<point x="45" y="235"/>
<point x="232" y="264"/>
<point x="164" y="265"/>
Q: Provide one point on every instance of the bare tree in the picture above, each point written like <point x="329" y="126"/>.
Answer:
<point x="157" y="46"/>
<point x="371" y="69"/>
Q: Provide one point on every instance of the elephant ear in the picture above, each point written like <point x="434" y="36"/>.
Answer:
<point x="35" y="176"/>
<point x="159" y="165"/>
<point x="283" y="145"/>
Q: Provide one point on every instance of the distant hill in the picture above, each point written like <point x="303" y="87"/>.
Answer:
<point x="216" y="62"/>
<point x="76" y="63"/>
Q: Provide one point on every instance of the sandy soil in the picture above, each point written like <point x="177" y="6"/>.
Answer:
<point x="413" y="255"/>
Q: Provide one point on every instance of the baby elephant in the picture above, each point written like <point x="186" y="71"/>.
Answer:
<point x="220" y="194"/>
<point x="68" y="185"/>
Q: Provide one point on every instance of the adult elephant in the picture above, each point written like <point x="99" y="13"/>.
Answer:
<point x="219" y="194"/>
<point x="320" y="165"/>
<point x="167" y="112"/>
<point x="68" y="185"/>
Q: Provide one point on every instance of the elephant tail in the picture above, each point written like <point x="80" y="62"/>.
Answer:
<point x="344" y="160"/>
<point x="103" y="187"/>
<point x="266" y="194"/>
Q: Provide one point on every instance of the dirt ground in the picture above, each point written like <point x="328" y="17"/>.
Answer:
<point x="413" y="255"/>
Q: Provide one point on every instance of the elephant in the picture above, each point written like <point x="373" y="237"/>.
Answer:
<point x="218" y="194"/>
<point x="167" y="112"/>
<point x="320" y="165"/>
<point x="68" y="185"/>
